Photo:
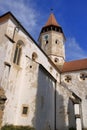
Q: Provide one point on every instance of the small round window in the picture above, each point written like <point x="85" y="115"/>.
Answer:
<point x="83" y="76"/>
<point x="56" y="60"/>
<point x="34" y="55"/>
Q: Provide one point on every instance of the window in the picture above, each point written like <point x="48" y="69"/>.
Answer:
<point x="34" y="55"/>
<point x="68" y="78"/>
<point x="25" y="110"/>
<point x="57" y="41"/>
<point x="56" y="60"/>
<point x="18" y="51"/>
<point x="83" y="76"/>
<point x="46" y="41"/>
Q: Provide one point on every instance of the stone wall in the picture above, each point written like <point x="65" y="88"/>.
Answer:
<point x="56" y="51"/>
<point x="20" y="81"/>
<point x="2" y="103"/>
<point x="78" y="86"/>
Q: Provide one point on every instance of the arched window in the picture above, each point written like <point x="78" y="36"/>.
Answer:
<point x="18" y="51"/>
<point x="56" y="41"/>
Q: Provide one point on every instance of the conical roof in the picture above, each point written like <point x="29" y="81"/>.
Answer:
<point x="51" y="21"/>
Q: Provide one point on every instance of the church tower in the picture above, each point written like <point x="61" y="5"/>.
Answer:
<point x="51" y="40"/>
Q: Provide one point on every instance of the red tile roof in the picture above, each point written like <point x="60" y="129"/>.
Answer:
<point x="4" y="17"/>
<point x="51" y="21"/>
<point x="75" y="65"/>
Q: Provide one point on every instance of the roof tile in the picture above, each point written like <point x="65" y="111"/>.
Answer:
<point x="75" y="65"/>
<point x="51" y="21"/>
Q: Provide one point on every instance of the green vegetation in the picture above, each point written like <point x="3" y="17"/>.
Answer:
<point x="11" y="127"/>
<point x="72" y="128"/>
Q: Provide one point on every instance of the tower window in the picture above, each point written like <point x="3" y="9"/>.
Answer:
<point x="56" y="41"/>
<point x="51" y="28"/>
<point x="54" y="28"/>
<point x="46" y="37"/>
<point x="46" y="41"/>
<point x="56" y="60"/>
<point x="17" y="54"/>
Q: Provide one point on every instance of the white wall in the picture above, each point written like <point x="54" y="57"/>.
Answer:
<point x="26" y="84"/>
<point x="21" y="82"/>
<point x="79" y="87"/>
<point x="3" y="48"/>
<point x="45" y="105"/>
<point x="62" y="110"/>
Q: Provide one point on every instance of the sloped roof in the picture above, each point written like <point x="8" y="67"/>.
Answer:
<point x="5" y="17"/>
<point x="75" y="65"/>
<point x="51" y="21"/>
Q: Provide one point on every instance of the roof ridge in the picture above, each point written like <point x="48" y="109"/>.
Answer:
<point x="76" y="60"/>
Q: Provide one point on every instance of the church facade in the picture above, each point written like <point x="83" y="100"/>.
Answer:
<point x="42" y="89"/>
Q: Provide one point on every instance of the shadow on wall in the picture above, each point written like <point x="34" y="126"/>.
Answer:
<point x="2" y="103"/>
<point x="60" y="111"/>
<point x="46" y="116"/>
<point x="72" y="121"/>
<point x="71" y="113"/>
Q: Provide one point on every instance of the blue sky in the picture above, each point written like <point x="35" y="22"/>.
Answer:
<point x="70" y="14"/>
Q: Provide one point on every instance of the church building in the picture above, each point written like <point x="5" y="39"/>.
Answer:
<point x="43" y="90"/>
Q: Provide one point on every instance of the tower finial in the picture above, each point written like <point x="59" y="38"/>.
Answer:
<point x="51" y="10"/>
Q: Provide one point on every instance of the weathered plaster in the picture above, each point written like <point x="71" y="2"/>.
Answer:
<point x="79" y="87"/>
<point x="42" y="89"/>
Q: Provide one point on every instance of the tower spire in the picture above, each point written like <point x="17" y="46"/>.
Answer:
<point x="52" y="21"/>
<point x="52" y="41"/>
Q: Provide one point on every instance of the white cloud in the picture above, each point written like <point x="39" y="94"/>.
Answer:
<point x="23" y="10"/>
<point x="73" y="50"/>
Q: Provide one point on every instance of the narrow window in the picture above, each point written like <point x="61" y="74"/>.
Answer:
<point x="17" y="54"/>
<point x="25" y="110"/>
<point x="46" y="41"/>
<point x="57" y="41"/>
